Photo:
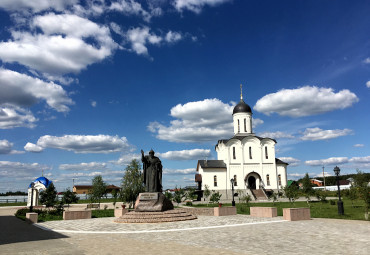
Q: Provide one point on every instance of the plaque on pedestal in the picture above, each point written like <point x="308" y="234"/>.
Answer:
<point x="152" y="202"/>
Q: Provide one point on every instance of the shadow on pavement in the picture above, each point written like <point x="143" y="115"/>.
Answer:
<point x="14" y="230"/>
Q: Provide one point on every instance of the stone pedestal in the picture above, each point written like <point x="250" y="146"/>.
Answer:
<point x="118" y="212"/>
<point x="75" y="215"/>
<point x="263" y="212"/>
<point x="152" y="202"/>
<point x="294" y="214"/>
<point x="224" y="211"/>
<point x="32" y="217"/>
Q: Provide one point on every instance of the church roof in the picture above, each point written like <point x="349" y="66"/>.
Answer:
<point x="43" y="180"/>
<point x="242" y="107"/>
<point x="241" y="137"/>
<point x="212" y="163"/>
<point x="280" y="162"/>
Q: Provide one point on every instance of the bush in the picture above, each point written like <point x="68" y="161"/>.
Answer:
<point x="332" y="202"/>
<point x="188" y="203"/>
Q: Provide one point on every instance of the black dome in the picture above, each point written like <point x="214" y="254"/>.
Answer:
<point x="242" y="107"/>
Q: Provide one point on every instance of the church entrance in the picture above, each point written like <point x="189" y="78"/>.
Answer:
<point x="252" y="182"/>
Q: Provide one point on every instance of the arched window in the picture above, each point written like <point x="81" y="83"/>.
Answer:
<point x="234" y="154"/>
<point x="215" y="180"/>
<point x="235" y="182"/>
<point x="279" y="176"/>
<point x="268" y="180"/>
<point x="238" y="126"/>
<point x="245" y="125"/>
<point x="267" y="155"/>
<point x="250" y="152"/>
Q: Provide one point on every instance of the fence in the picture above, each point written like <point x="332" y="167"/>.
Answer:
<point x="15" y="200"/>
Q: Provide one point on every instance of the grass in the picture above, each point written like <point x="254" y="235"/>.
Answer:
<point x="14" y="204"/>
<point x="318" y="209"/>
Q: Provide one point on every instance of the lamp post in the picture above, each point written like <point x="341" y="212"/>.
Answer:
<point x="31" y="206"/>
<point x="232" y="190"/>
<point x="340" y="202"/>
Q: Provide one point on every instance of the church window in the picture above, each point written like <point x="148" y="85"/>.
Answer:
<point x="267" y="156"/>
<point x="245" y="125"/>
<point x="235" y="182"/>
<point x="215" y="180"/>
<point x="250" y="152"/>
<point x="234" y="155"/>
<point x="268" y="180"/>
<point x="279" y="176"/>
<point x="238" y="126"/>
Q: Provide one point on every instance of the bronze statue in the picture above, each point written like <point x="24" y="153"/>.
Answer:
<point x="152" y="168"/>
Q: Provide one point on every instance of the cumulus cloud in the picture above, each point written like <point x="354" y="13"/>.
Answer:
<point x="360" y="159"/>
<point x="366" y="61"/>
<point x="277" y="135"/>
<point x="185" y="154"/>
<point x="328" y="161"/>
<point x="368" y="84"/>
<point x="179" y="171"/>
<point x="93" y="103"/>
<point x="358" y="145"/>
<point x="85" y="143"/>
<point x="5" y="147"/>
<point x="130" y="7"/>
<point x="196" y="5"/>
<point x="22" y="90"/>
<point x="13" y="116"/>
<point x="305" y="101"/>
<point x="139" y="37"/>
<point x="199" y="121"/>
<point x="314" y="134"/>
<point x="10" y="169"/>
<point x="296" y="175"/>
<point x="36" y="5"/>
<point x="30" y="147"/>
<point x="61" y="48"/>
<point x="83" y="166"/>
<point x="172" y="37"/>
<point x="126" y="159"/>
<point x="290" y="160"/>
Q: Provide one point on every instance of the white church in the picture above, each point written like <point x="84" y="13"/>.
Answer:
<point x="245" y="159"/>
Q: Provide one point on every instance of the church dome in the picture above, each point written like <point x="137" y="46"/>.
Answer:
<point x="242" y="107"/>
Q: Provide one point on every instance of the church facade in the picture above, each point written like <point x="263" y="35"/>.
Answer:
<point x="245" y="159"/>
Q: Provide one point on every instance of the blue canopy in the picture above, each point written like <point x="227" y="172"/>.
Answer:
<point x="43" y="180"/>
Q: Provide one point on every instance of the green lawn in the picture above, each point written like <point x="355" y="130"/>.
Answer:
<point x="318" y="209"/>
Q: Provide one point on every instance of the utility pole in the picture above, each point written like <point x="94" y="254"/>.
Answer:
<point x="323" y="175"/>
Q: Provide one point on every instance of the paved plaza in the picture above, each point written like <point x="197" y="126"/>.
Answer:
<point x="240" y="234"/>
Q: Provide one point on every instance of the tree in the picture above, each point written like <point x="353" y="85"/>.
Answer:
<point x="179" y="195"/>
<point x="98" y="189"/>
<point x="69" y="197"/>
<point x="274" y="197"/>
<point x="132" y="183"/>
<point x="206" y="192"/>
<point x="215" y="197"/>
<point x="351" y="194"/>
<point x="115" y="194"/>
<point x="48" y="197"/>
<point x="247" y="198"/>
<point x="291" y="192"/>
<point x="363" y="189"/>
<point x="168" y="195"/>
<point x="190" y="194"/>
<point x="307" y="189"/>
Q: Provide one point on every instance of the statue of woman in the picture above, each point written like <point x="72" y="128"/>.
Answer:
<point x="152" y="168"/>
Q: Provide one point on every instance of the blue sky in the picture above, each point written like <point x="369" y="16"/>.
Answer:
<point x="84" y="85"/>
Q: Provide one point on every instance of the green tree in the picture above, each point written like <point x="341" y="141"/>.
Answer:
<point x="215" y="197"/>
<point x="179" y="195"/>
<point x="132" y="183"/>
<point x="363" y="189"/>
<point x="206" y="192"/>
<point x="273" y="197"/>
<point x="240" y="194"/>
<point x="115" y="194"/>
<point x="351" y="194"/>
<point x="190" y="194"/>
<point x="98" y="189"/>
<point x="69" y="197"/>
<point x="291" y="192"/>
<point x="48" y="197"/>
<point x="247" y="198"/>
<point x="307" y="189"/>
<point x="168" y="195"/>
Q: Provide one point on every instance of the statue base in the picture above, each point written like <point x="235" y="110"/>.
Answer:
<point x="152" y="202"/>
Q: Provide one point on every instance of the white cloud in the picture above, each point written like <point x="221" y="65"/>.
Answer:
<point x="196" y="5"/>
<point x="83" y="166"/>
<point x="172" y="37"/>
<point x="5" y="147"/>
<point x="296" y="174"/>
<point x="276" y="135"/>
<point x="131" y="7"/>
<point x="305" y="101"/>
<point x="10" y="169"/>
<point x="179" y="171"/>
<point x="13" y="116"/>
<point x="358" y="145"/>
<point x="92" y="174"/>
<point x="368" y="84"/>
<point x="85" y="143"/>
<point x="360" y="159"/>
<point x="256" y="122"/>
<point x="22" y="90"/>
<point x="290" y="160"/>
<point x="30" y="147"/>
<point x="36" y="5"/>
<point x="139" y="37"/>
<point x="199" y="121"/>
<point x="61" y="48"/>
<point x="366" y="61"/>
<point x="314" y="134"/>
<point x="93" y="103"/>
<point x="185" y="154"/>
<point x="126" y="159"/>
<point x="326" y="162"/>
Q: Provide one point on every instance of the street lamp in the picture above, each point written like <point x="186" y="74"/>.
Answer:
<point x="32" y="186"/>
<point x="232" y="190"/>
<point x="340" y="202"/>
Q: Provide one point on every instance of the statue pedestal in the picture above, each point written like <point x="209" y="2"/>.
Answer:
<point x="152" y="202"/>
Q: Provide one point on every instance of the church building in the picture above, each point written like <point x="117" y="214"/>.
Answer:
<point x="245" y="159"/>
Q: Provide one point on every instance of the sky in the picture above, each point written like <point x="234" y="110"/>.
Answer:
<point x="85" y="85"/>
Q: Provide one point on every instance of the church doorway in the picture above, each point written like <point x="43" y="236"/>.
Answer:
<point x="252" y="182"/>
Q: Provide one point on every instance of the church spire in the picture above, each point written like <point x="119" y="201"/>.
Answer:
<point x="241" y="92"/>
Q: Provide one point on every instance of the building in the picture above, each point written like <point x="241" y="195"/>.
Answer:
<point x="316" y="182"/>
<point x="245" y="158"/>
<point x="84" y="189"/>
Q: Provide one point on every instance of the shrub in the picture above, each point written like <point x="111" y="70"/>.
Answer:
<point x="188" y="203"/>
